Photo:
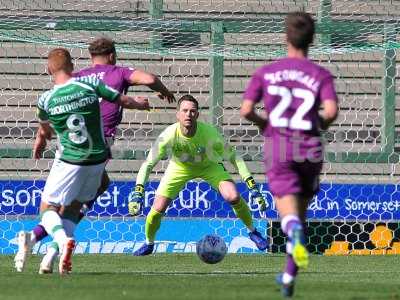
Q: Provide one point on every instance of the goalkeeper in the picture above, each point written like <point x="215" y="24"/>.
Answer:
<point x="197" y="151"/>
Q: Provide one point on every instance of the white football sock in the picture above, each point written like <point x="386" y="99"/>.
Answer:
<point x="33" y="237"/>
<point x="287" y="278"/>
<point x="51" y="221"/>
<point x="286" y="220"/>
<point x="52" y="251"/>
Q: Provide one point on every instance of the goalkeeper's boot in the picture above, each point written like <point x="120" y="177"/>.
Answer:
<point x="300" y="253"/>
<point x="259" y="240"/>
<point x="287" y="289"/>
<point x="146" y="249"/>
<point x="24" y="250"/>
<point x="47" y="264"/>
<point x="65" y="264"/>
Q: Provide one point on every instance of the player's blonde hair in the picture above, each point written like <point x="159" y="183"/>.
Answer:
<point x="59" y="59"/>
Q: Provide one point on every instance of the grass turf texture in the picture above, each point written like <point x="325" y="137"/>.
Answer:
<point x="184" y="276"/>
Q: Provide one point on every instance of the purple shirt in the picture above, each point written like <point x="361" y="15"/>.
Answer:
<point x="117" y="78"/>
<point x="292" y="90"/>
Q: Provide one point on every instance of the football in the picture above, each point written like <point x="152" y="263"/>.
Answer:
<point x="211" y="249"/>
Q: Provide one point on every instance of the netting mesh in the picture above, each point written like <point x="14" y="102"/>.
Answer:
<point x="209" y="48"/>
<point x="252" y="28"/>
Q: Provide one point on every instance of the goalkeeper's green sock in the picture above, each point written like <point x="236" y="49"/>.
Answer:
<point x="153" y="222"/>
<point x="242" y="211"/>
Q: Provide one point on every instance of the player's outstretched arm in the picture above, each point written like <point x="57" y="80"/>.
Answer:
<point x="140" y="77"/>
<point x="44" y="133"/>
<point x="136" y="197"/>
<point x="251" y="184"/>
<point x="156" y="153"/>
<point x="137" y="102"/>
<point x="244" y="172"/>
<point x="112" y="95"/>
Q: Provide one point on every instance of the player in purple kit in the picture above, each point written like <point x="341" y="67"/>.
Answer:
<point x="103" y="57"/>
<point x="293" y="90"/>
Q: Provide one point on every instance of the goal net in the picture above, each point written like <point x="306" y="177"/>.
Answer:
<point x="209" y="49"/>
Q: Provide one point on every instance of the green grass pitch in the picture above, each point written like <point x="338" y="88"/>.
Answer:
<point x="184" y="276"/>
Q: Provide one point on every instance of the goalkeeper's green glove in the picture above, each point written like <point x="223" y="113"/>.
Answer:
<point x="136" y="199"/>
<point x="255" y="194"/>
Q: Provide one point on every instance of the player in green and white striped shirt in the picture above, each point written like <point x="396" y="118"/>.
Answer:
<point x="71" y="109"/>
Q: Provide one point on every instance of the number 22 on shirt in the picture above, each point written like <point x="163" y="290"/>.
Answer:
<point x="297" y="121"/>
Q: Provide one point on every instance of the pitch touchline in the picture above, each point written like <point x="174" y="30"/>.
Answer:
<point x="216" y="273"/>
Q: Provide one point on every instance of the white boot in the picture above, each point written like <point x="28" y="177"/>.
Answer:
<point x="47" y="264"/>
<point x="24" y="250"/>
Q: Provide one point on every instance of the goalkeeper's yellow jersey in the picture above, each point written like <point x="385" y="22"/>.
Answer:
<point x="205" y="148"/>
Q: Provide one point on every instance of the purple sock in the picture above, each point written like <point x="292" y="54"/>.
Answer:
<point x="291" y="267"/>
<point x="39" y="232"/>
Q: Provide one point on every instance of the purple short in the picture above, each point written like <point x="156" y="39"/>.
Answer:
<point x="288" y="178"/>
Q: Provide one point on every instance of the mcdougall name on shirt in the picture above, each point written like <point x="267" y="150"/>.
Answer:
<point x="293" y="75"/>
